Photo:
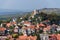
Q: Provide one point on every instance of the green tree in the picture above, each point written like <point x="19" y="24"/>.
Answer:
<point x="7" y="39"/>
<point x="15" y="36"/>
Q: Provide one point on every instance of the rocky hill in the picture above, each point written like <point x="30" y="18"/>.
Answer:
<point x="50" y="10"/>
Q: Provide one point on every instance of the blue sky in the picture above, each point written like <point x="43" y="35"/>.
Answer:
<point x="26" y="5"/>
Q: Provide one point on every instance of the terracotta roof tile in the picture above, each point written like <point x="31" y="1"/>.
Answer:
<point x="32" y="26"/>
<point x="22" y="37"/>
<point x="58" y="36"/>
<point x="33" y="37"/>
<point x="2" y="28"/>
<point x="41" y="24"/>
<point x="26" y="22"/>
<point x="13" y="22"/>
<point x="8" y="24"/>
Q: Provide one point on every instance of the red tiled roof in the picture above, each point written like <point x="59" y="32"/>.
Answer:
<point x="58" y="36"/>
<point x="41" y="24"/>
<point x="2" y="28"/>
<point x="32" y="26"/>
<point x="45" y="29"/>
<point x="48" y="27"/>
<point x="8" y="24"/>
<point x="53" y="36"/>
<point x="26" y="22"/>
<point x="13" y="22"/>
<point x="27" y="37"/>
<point x="22" y="37"/>
<point x="33" y="37"/>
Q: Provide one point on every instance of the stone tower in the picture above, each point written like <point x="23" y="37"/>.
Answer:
<point x="34" y="13"/>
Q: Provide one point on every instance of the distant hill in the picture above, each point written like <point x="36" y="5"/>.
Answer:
<point x="14" y="13"/>
<point x="50" y="10"/>
<point x="5" y="13"/>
